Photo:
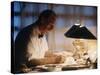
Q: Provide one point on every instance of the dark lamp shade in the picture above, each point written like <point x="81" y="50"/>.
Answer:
<point x="79" y="32"/>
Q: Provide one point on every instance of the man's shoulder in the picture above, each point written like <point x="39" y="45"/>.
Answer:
<point x="28" y="30"/>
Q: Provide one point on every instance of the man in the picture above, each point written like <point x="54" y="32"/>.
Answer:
<point x="31" y="45"/>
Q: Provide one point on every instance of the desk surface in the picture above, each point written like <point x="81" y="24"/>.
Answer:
<point x="59" y="67"/>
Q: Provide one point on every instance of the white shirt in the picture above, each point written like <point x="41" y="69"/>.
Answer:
<point x="37" y="46"/>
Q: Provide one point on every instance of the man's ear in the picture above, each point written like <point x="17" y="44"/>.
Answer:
<point x="44" y="21"/>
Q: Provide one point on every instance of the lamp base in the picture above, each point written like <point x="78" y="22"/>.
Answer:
<point x="80" y="50"/>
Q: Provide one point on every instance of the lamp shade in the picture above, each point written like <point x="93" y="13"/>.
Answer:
<point x="76" y="31"/>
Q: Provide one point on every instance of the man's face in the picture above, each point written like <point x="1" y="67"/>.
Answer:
<point x="48" y="24"/>
<point x="47" y="28"/>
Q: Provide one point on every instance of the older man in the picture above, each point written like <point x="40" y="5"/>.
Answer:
<point x="31" y="44"/>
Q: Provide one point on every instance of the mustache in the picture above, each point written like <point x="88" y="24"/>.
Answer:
<point x="50" y="26"/>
